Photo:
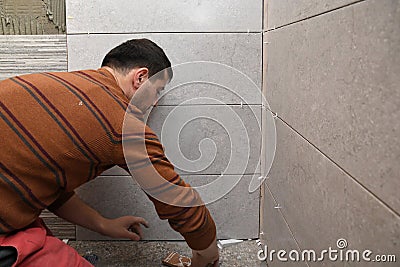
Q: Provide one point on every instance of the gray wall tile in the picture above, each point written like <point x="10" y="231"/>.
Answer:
<point x="307" y="187"/>
<point x="115" y="196"/>
<point x="281" y="12"/>
<point x="335" y="79"/>
<point x="321" y="203"/>
<point x="162" y="16"/>
<point x="115" y="171"/>
<point x="239" y="51"/>
<point x="235" y="131"/>
<point x="236" y="214"/>
<point x="22" y="54"/>
<point x="276" y="234"/>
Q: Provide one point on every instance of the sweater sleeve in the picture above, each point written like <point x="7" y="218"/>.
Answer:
<point x="173" y="199"/>
<point x="64" y="197"/>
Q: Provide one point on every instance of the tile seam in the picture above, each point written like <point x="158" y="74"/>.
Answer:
<point x="284" y="219"/>
<point x="164" y="32"/>
<point x="314" y="16"/>
<point x="183" y="175"/>
<point x="350" y="176"/>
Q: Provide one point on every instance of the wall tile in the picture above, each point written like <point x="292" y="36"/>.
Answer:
<point x="235" y="131"/>
<point x="21" y="54"/>
<point x="281" y="12"/>
<point x="162" y="16"/>
<point x="236" y="214"/>
<point x="307" y="187"/>
<point x="239" y="51"/>
<point x="335" y="80"/>
<point x="188" y="134"/>
<point x="277" y="235"/>
<point x="115" y="196"/>
<point x="115" y="171"/>
<point x="321" y="203"/>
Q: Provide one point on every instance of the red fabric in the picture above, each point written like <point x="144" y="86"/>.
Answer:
<point x="38" y="248"/>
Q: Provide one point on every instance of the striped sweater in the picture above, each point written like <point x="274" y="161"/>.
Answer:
<point x="60" y="130"/>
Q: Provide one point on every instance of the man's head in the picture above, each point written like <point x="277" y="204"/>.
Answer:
<point x="133" y="63"/>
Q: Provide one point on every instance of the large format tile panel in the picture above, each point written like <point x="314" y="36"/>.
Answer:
<point x="239" y="51"/>
<point x="276" y="233"/>
<point x="281" y="12"/>
<point x="235" y="131"/>
<point x="321" y="203"/>
<point x="210" y="139"/>
<point x="122" y="16"/>
<point x="236" y="214"/>
<point x="334" y="78"/>
<point x="22" y="54"/>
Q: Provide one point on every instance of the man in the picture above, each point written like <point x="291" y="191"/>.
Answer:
<point x="60" y="130"/>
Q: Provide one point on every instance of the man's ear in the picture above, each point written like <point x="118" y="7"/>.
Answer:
<point x="139" y="76"/>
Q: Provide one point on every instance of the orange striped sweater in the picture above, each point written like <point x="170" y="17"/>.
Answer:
<point x="60" y="130"/>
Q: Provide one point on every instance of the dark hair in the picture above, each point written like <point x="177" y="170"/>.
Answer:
<point x="138" y="53"/>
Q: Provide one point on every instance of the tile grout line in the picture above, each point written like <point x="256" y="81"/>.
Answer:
<point x="164" y="32"/>
<point x="284" y="219"/>
<point x="314" y="16"/>
<point x="210" y="104"/>
<point x="383" y="203"/>
<point x="263" y="126"/>
<point x="261" y="202"/>
<point x="183" y="175"/>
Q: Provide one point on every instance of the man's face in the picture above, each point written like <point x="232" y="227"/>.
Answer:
<point x="148" y="93"/>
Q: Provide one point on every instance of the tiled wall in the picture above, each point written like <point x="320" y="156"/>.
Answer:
<point x="331" y="73"/>
<point x="225" y="32"/>
<point x="21" y="54"/>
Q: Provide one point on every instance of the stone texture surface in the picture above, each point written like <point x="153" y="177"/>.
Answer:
<point x="239" y="51"/>
<point x="163" y="16"/>
<point x="115" y="196"/>
<point x="210" y="139"/>
<point x="321" y="203"/>
<point x="184" y="130"/>
<point x="236" y="214"/>
<point x="276" y="233"/>
<point x="22" y="54"/>
<point x="334" y="79"/>
<point x="149" y="254"/>
<point x="115" y="171"/>
<point x="281" y="12"/>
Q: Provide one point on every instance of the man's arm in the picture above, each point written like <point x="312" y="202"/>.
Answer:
<point x="76" y="211"/>
<point x="174" y="200"/>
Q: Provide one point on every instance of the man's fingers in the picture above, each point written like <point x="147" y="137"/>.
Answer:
<point x="131" y="235"/>
<point x="137" y="229"/>
<point x="130" y="220"/>
<point x="143" y="221"/>
<point x="133" y="225"/>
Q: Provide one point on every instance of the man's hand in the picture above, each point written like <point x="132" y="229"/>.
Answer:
<point x="124" y="227"/>
<point x="78" y="212"/>
<point x="207" y="257"/>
